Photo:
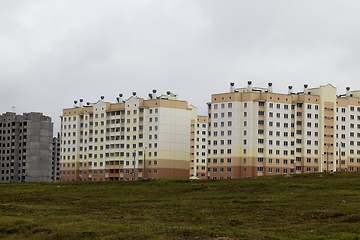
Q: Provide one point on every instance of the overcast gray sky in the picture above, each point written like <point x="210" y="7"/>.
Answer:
<point x="55" y="52"/>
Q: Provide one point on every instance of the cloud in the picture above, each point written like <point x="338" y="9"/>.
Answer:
<point x="55" y="52"/>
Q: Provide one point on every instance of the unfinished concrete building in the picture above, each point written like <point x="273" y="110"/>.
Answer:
<point x="26" y="143"/>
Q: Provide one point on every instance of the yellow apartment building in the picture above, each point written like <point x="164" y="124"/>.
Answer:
<point x="200" y="160"/>
<point x="254" y="131"/>
<point x="132" y="138"/>
<point x="249" y="131"/>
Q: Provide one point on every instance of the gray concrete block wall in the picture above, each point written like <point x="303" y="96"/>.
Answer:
<point x="26" y="147"/>
<point x="56" y="158"/>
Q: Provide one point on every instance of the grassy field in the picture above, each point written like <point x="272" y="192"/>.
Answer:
<point x="302" y="207"/>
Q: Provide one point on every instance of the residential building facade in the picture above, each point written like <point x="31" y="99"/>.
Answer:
<point x="25" y="147"/>
<point x="201" y="147"/>
<point x="130" y="139"/>
<point x="56" y="158"/>
<point x="255" y="132"/>
<point x="248" y="132"/>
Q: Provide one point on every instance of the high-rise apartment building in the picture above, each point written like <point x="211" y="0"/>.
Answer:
<point x="56" y="158"/>
<point x="135" y="138"/>
<point x="201" y="147"/>
<point x="254" y="131"/>
<point x="248" y="132"/>
<point x="193" y="141"/>
<point x="25" y="147"/>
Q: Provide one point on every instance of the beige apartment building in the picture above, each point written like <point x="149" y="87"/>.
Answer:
<point x="133" y="138"/>
<point x="255" y="132"/>
<point x="248" y="132"/>
<point x="200" y="160"/>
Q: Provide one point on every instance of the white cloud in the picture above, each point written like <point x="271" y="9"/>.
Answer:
<point x="54" y="52"/>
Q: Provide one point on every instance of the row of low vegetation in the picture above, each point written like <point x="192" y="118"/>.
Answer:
<point x="301" y="207"/>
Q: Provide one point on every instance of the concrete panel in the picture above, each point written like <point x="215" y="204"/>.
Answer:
<point x="32" y="138"/>
<point x="34" y="125"/>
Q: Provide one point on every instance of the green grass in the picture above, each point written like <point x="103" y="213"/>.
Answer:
<point x="302" y="207"/>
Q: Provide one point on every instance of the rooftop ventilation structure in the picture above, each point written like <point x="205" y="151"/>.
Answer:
<point x="306" y="90"/>
<point x="232" y="87"/>
<point x="290" y="90"/>
<point x="249" y="86"/>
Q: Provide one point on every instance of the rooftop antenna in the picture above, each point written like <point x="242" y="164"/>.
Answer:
<point x="13" y="109"/>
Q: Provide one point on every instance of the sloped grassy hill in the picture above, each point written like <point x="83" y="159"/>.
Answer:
<point x="302" y="207"/>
